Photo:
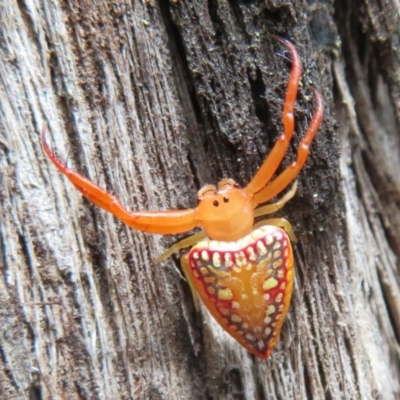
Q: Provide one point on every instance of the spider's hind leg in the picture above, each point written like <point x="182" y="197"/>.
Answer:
<point x="282" y="223"/>
<point x="274" y="207"/>
<point x="187" y="242"/>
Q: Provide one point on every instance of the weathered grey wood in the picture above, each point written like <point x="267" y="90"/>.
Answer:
<point x="153" y="99"/>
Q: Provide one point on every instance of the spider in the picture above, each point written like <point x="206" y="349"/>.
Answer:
<point x="243" y="272"/>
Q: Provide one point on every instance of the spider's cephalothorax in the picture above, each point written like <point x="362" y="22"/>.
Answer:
<point x="242" y="272"/>
<point x="227" y="212"/>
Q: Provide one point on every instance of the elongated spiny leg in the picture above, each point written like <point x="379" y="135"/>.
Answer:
<point x="187" y="242"/>
<point x="271" y="208"/>
<point x="275" y="157"/>
<point x="282" y="223"/>
<point x="290" y="173"/>
<point x="162" y="222"/>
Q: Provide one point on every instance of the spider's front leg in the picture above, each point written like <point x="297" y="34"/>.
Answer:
<point x="162" y="222"/>
<point x="276" y="155"/>
<point x="259" y="186"/>
<point x="290" y="173"/>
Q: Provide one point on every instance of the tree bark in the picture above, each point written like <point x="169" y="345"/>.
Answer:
<point x="154" y="99"/>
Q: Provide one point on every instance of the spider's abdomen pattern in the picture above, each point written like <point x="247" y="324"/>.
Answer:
<point x="246" y="285"/>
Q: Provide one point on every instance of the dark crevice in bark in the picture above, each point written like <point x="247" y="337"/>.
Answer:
<point x="8" y="371"/>
<point x="258" y="91"/>
<point x="260" y="389"/>
<point x="176" y="43"/>
<point x="35" y="392"/>
<point x="218" y="24"/>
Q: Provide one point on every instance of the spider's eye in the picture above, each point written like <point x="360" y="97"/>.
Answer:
<point x="226" y="199"/>
<point x="215" y="203"/>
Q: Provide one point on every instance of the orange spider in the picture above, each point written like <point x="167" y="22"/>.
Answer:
<point x="242" y="272"/>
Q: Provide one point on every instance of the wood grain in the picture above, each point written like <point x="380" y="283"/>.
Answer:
<point x="153" y="99"/>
